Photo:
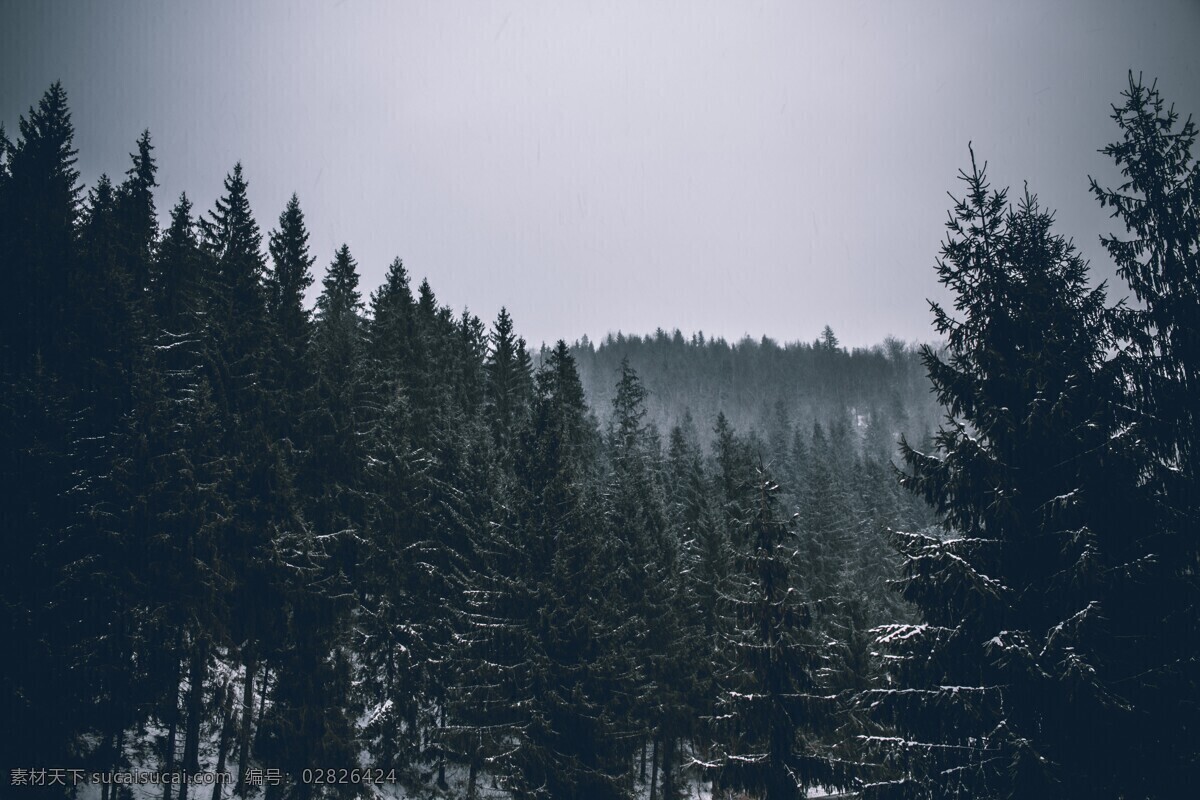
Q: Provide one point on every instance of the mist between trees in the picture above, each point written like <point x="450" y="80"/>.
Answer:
<point x="245" y="535"/>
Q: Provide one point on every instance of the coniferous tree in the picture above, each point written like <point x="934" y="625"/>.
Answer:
<point x="175" y="279"/>
<point x="39" y="200"/>
<point x="509" y="384"/>
<point x="41" y="215"/>
<point x="1158" y="255"/>
<point x="310" y="714"/>
<point x="334" y="456"/>
<point x="770" y="709"/>
<point x="493" y="621"/>
<point x="637" y="517"/>
<point x="137" y="219"/>
<point x="184" y="503"/>
<point x="264" y="510"/>
<point x="387" y="643"/>
<point x="1006" y="688"/>
<point x="701" y="578"/>
<point x="572" y="684"/>
<point x="290" y="374"/>
<point x="101" y="546"/>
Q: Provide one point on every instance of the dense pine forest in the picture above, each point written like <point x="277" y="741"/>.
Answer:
<point x="374" y="547"/>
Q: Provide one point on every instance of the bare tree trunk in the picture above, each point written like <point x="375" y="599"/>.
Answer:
<point x="669" y="791"/>
<point x="262" y="699"/>
<point x="654" y="771"/>
<point x="118" y="750"/>
<point x="169" y="755"/>
<point x="110" y="752"/>
<point x="247" y="725"/>
<point x="441" y="775"/>
<point x="197" y="671"/>
<point x="228" y="725"/>
<point x="172" y="720"/>
<point x="106" y="788"/>
<point x="473" y="773"/>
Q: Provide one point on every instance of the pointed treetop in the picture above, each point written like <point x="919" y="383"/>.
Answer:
<point x="288" y="246"/>
<point x="426" y="301"/>
<point x="144" y="168"/>
<point x="394" y="291"/>
<point x="230" y="229"/>
<point x="629" y="406"/>
<point x="559" y="378"/>
<point x="181" y="216"/>
<point x="45" y="154"/>
<point x="340" y="293"/>
<point x="100" y="197"/>
<point x="175" y="277"/>
<point x="504" y="325"/>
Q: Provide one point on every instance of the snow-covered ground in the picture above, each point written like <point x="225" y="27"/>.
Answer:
<point x="143" y="747"/>
<point x="456" y="778"/>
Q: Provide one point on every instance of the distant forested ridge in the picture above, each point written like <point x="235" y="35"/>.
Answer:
<point x="381" y="546"/>
<point x="758" y="384"/>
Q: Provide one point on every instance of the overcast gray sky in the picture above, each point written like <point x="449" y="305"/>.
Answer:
<point x="754" y="167"/>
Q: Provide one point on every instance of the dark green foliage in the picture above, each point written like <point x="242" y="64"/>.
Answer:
<point x="310" y="534"/>
<point x="1158" y="254"/>
<point x="1009" y="687"/>
<point x="41" y="213"/>
<point x="331" y="472"/>
<point x="752" y="381"/>
<point x="243" y="534"/>
<point x="572" y="682"/>
<point x="509" y="384"/>
<point x="234" y="298"/>
<point x="289" y="373"/>
<point x="647" y="551"/>
<point x="39" y="217"/>
<point x="770" y="709"/>
<point x="137" y="221"/>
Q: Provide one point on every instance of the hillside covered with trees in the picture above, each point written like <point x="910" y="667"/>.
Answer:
<point x="377" y="547"/>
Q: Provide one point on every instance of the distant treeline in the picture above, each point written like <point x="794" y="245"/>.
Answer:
<point x="882" y="391"/>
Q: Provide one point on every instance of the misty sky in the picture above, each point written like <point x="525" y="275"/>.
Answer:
<point x="761" y="168"/>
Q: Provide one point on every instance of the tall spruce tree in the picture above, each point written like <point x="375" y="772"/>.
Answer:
<point x="699" y="581"/>
<point x="387" y="644"/>
<point x="235" y="297"/>
<point x="770" y="708"/>
<point x="289" y="372"/>
<point x="265" y="511"/>
<point x="331" y="476"/>
<point x="137" y="219"/>
<point x="39" y="236"/>
<point x="1007" y="688"/>
<point x="1158" y="255"/>
<point x="39" y="201"/>
<point x="186" y="507"/>
<point x="649" y="560"/>
<point x="492" y="622"/>
<point x="572" y="686"/>
<point x="509" y="384"/>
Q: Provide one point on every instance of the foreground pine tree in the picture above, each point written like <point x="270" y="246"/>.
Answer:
<point x="39" y="215"/>
<point x="572" y="684"/>
<point x="1007" y="689"/>
<point x="771" y="710"/>
<point x="1158" y="254"/>
<point x="647" y="563"/>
